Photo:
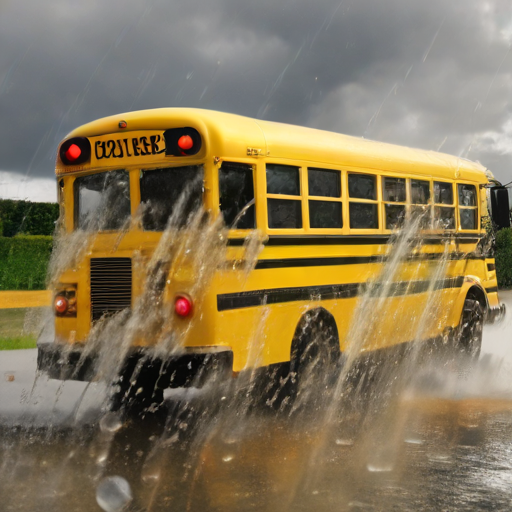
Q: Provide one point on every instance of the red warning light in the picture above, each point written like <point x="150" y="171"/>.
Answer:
<point x="185" y="142"/>
<point x="183" y="306"/>
<point x="61" y="305"/>
<point x="73" y="152"/>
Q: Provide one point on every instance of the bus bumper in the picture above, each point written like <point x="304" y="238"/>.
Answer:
<point x="497" y="314"/>
<point x="190" y="368"/>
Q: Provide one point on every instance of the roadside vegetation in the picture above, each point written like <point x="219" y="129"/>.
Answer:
<point x="24" y="217"/>
<point x="504" y="257"/>
<point x="24" y="261"/>
<point x="26" y="231"/>
<point x="14" y="333"/>
<point x="17" y="342"/>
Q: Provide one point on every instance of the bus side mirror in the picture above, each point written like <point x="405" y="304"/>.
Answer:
<point x="500" y="207"/>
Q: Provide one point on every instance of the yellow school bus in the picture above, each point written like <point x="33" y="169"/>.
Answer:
<point x="294" y="224"/>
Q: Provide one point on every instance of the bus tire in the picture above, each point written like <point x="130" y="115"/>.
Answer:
<point x="315" y="352"/>
<point x="468" y="341"/>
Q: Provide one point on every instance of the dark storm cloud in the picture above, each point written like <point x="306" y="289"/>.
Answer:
<point x="430" y="74"/>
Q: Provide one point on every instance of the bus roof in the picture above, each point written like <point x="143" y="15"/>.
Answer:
<point x="233" y="134"/>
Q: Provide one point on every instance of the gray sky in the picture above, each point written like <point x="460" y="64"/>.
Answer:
<point x="435" y="75"/>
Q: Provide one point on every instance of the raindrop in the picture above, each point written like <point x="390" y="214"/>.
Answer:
<point x="358" y="504"/>
<point x="344" y="442"/>
<point x="150" y="475"/>
<point x="102" y="458"/>
<point x="111" y="422"/>
<point x="113" y="494"/>
<point x="379" y="468"/>
<point x="413" y="440"/>
<point x="440" y="458"/>
<point x="227" y="458"/>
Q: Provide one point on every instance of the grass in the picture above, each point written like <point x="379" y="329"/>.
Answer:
<point x="17" y="342"/>
<point x="13" y="333"/>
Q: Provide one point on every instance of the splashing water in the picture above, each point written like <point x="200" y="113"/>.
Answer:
<point x="113" y="494"/>
<point x="241" y="445"/>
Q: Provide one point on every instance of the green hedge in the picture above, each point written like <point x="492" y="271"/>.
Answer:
<point x="28" y="218"/>
<point x="24" y="261"/>
<point x="503" y="257"/>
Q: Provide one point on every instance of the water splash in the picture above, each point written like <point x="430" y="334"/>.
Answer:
<point x="113" y="494"/>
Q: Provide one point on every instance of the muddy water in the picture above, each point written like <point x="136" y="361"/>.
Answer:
<point x="436" y="452"/>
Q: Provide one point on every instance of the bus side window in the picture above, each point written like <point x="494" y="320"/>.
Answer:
<point x="283" y="197"/>
<point x="444" y="216"/>
<point x="420" y="202"/>
<point x="324" y="213"/>
<point x="393" y="195"/>
<point x="363" y="215"/>
<point x="468" y="207"/>
<point x="236" y="193"/>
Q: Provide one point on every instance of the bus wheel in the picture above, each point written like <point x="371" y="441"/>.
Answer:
<point x="468" y="340"/>
<point x="315" y="354"/>
<point x="136" y="389"/>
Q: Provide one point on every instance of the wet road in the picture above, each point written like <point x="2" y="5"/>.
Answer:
<point x="442" y="442"/>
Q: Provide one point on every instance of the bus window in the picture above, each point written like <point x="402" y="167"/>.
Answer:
<point x="443" y="192"/>
<point x="420" y="192"/>
<point x="363" y="215"/>
<point x="283" y="180"/>
<point x="236" y="192"/>
<point x="444" y="216"/>
<point x="362" y="186"/>
<point x="324" y="182"/>
<point x="420" y="199"/>
<point x="324" y="214"/>
<point x="393" y="194"/>
<point x="162" y="190"/>
<point x="468" y="208"/>
<point x="102" y="200"/>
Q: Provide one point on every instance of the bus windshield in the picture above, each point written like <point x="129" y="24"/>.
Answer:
<point x="102" y="201"/>
<point x="170" y="191"/>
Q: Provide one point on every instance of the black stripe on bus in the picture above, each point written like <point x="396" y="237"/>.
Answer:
<point x="351" y="260"/>
<point x="286" y="240"/>
<point x="328" y="240"/>
<point x="230" y="301"/>
<point x="236" y="241"/>
<point x="493" y="289"/>
<point x="317" y="262"/>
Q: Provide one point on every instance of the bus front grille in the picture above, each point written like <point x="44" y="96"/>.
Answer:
<point x="111" y="286"/>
